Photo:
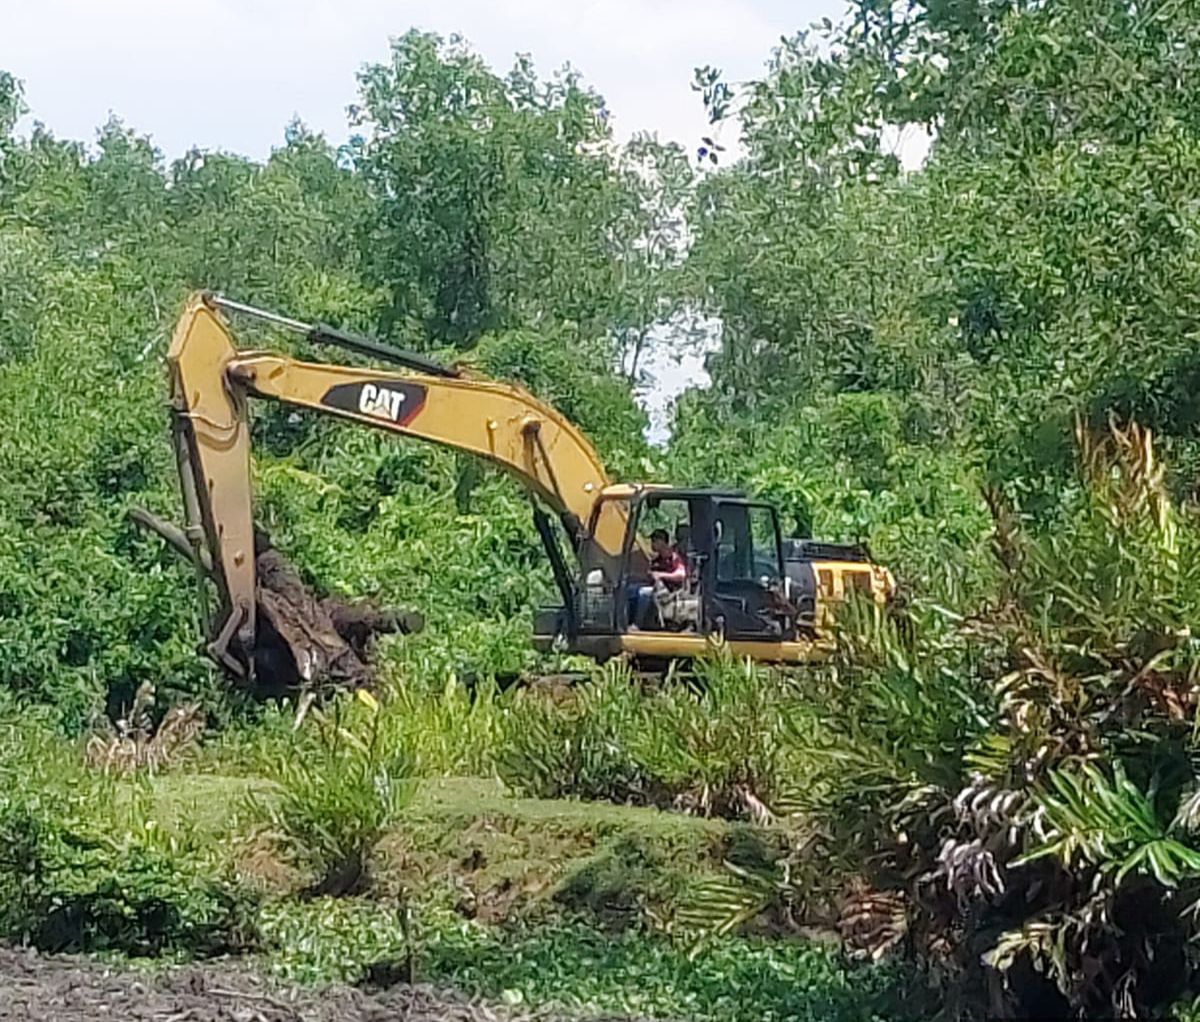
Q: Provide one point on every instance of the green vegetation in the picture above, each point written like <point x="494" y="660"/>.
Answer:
<point x="723" y="747"/>
<point x="634" y="974"/>
<point x="87" y="864"/>
<point x="986" y="367"/>
<point x="336" y="800"/>
<point x="548" y="902"/>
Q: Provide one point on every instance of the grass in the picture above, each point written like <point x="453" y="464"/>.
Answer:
<point x="536" y="858"/>
<point x="510" y="857"/>
<point x="214" y="805"/>
<point x="571" y="965"/>
<point x="204" y="800"/>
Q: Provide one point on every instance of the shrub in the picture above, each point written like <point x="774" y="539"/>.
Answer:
<point x="452" y="731"/>
<point x="1015" y="791"/>
<point x="340" y="793"/>
<point x="719" y="744"/>
<point x="72" y="888"/>
<point x="581" y="744"/>
<point x="86" y="865"/>
<point x="723" y="745"/>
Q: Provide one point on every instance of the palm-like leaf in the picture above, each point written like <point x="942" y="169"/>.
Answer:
<point x="1110" y="824"/>
<point x="722" y="904"/>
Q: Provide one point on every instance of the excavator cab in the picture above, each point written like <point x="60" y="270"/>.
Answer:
<point x="769" y="598"/>
<point x="737" y="586"/>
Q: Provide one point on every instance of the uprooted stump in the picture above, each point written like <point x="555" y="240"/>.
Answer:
<point x="360" y="621"/>
<point x="302" y="641"/>
<point x="312" y="643"/>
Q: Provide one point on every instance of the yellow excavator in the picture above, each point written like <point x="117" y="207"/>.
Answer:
<point x="768" y="598"/>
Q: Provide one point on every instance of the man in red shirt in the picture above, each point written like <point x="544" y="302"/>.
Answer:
<point x="667" y="566"/>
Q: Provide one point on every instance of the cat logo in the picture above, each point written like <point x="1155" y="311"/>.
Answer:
<point x="380" y="402"/>
<point x="388" y="402"/>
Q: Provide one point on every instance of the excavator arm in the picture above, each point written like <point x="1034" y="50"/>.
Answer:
<point x="211" y="381"/>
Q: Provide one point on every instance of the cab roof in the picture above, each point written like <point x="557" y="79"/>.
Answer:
<point x="628" y="491"/>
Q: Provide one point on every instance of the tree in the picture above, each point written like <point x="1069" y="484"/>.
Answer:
<point x="652" y="239"/>
<point x="498" y="196"/>
<point x="12" y="105"/>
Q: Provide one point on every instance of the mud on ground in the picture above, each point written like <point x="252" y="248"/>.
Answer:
<point x="39" y="988"/>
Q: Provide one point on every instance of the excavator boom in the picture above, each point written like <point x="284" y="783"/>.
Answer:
<point x="211" y="380"/>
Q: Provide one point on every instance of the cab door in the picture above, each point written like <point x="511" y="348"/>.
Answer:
<point x="743" y="572"/>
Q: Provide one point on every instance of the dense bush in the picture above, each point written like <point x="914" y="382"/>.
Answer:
<point x="87" y="863"/>
<point x="722" y="743"/>
<point x="1018" y="786"/>
<point x="100" y="244"/>
<point x="578" y="743"/>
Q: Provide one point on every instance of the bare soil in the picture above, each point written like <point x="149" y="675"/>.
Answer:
<point x="41" y="988"/>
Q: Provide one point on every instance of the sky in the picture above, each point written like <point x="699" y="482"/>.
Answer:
<point x="231" y="74"/>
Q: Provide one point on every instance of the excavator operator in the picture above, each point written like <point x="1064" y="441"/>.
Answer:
<point x="668" y="570"/>
<point x="667" y="565"/>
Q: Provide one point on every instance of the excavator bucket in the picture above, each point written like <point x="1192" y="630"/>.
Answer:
<point x="301" y="641"/>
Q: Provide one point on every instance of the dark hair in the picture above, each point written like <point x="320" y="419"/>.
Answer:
<point x="660" y="534"/>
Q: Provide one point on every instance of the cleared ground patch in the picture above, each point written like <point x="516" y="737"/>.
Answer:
<point x="34" y="988"/>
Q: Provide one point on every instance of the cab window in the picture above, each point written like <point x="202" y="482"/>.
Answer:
<point x="764" y="544"/>
<point x="746" y="544"/>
